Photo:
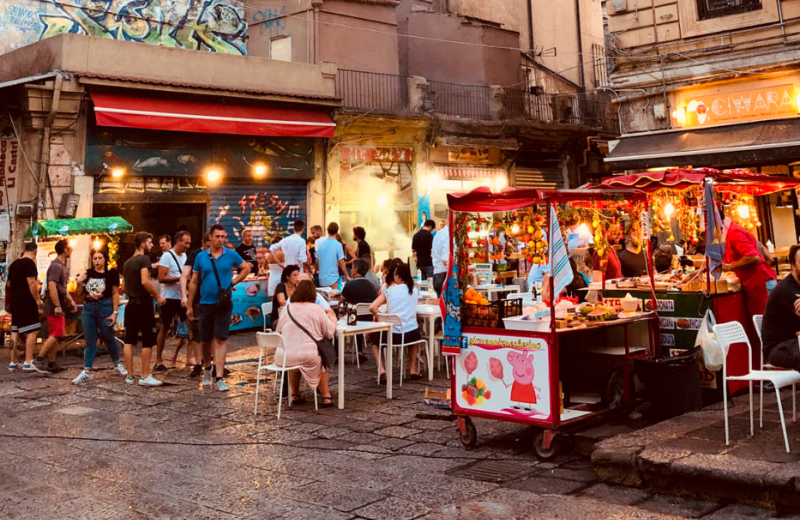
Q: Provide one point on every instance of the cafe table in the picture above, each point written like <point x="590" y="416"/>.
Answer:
<point x="429" y="312"/>
<point x="363" y="327"/>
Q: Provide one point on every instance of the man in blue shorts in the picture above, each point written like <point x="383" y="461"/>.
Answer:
<point x="211" y="275"/>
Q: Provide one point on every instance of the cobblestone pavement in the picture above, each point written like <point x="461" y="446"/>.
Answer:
<point x="109" y="450"/>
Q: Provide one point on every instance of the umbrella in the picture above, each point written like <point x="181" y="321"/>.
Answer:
<point x="78" y="226"/>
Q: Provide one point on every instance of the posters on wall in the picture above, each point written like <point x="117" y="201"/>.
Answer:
<point x="504" y="375"/>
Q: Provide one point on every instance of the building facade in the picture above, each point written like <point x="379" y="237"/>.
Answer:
<point x="707" y="83"/>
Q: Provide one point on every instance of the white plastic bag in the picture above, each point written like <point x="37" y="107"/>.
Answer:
<point x="713" y="354"/>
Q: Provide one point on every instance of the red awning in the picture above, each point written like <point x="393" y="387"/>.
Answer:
<point x="211" y="118"/>
<point x="681" y="179"/>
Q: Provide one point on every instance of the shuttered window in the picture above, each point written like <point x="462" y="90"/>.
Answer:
<point x="543" y="179"/>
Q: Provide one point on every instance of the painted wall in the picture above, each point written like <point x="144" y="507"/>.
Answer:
<point x="211" y="25"/>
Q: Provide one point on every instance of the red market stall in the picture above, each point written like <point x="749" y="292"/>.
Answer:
<point x="678" y="194"/>
<point x="517" y="368"/>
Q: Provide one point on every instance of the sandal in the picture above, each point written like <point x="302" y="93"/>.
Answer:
<point x="327" y="402"/>
<point x="296" y="399"/>
<point x="382" y="379"/>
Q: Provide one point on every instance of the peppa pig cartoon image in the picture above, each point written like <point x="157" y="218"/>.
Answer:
<point x="523" y="394"/>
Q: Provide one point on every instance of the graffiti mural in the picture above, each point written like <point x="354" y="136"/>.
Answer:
<point x="210" y="25"/>
<point x="271" y="20"/>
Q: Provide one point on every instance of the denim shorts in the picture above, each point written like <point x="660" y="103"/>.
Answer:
<point x="213" y="323"/>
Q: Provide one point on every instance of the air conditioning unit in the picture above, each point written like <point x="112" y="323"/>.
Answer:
<point x="69" y="205"/>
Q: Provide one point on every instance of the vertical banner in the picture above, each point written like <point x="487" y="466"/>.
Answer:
<point x="9" y="170"/>
<point x="560" y="270"/>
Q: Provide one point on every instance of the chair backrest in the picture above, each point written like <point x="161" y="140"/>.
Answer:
<point x="269" y="341"/>
<point x="394" y="319"/>
<point x="266" y="310"/>
<point x="362" y="309"/>
<point x="729" y="334"/>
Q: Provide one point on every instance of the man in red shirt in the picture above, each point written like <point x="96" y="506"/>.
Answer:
<point x="742" y="257"/>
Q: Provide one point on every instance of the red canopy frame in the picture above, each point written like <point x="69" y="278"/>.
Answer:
<point x="681" y="179"/>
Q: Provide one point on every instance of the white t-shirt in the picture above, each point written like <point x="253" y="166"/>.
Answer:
<point x="404" y="305"/>
<point x="440" y="250"/>
<point x="172" y="291"/>
<point x="294" y="251"/>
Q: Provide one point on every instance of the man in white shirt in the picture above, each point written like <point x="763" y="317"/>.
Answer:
<point x="440" y="254"/>
<point x="294" y="247"/>
<point x="169" y="276"/>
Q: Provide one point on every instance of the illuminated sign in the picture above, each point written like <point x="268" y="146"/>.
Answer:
<point x="695" y="110"/>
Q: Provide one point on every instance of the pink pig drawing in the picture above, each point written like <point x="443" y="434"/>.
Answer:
<point x="523" y="394"/>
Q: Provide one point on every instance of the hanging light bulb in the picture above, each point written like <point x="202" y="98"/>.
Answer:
<point x="97" y="244"/>
<point x="669" y="209"/>
<point x="515" y="229"/>
<point x="743" y="211"/>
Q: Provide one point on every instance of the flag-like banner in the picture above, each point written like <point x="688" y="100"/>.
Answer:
<point x="715" y="245"/>
<point x="560" y="270"/>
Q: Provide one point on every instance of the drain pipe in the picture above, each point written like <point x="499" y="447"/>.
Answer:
<point x="580" y="44"/>
<point x="316" y="5"/>
<point x="780" y="19"/>
<point x="44" y="156"/>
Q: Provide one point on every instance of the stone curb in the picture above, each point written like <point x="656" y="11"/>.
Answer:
<point x="641" y="459"/>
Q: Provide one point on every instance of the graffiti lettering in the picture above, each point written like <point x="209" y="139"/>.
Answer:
<point x="211" y="25"/>
<point x="25" y="20"/>
<point x="294" y="211"/>
<point x="272" y="20"/>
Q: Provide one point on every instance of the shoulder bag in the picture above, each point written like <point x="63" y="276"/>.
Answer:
<point x="324" y="346"/>
<point x="224" y="296"/>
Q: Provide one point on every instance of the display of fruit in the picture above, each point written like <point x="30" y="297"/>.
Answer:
<point x="474" y="391"/>
<point x="473" y="296"/>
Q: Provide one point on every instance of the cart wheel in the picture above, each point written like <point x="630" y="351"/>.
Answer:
<point x="468" y="434"/>
<point x="614" y="392"/>
<point x="539" y="449"/>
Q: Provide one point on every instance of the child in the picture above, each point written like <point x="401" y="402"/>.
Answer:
<point x="182" y="335"/>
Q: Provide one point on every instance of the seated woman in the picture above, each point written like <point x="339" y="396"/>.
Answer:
<point x="401" y="298"/>
<point x="301" y="350"/>
<point x="284" y="291"/>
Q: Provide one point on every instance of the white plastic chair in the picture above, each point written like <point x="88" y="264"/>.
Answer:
<point x="729" y="334"/>
<point x="268" y="343"/>
<point x="395" y="320"/>
<point x="758" y="319"/>
<point x="266" y="310"/>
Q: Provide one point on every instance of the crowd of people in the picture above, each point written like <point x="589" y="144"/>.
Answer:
<point x="191" y="291"/>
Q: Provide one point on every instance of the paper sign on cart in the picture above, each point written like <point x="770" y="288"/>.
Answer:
<point x="504" y="375"/>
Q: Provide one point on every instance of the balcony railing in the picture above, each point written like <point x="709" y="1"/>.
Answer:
<point x="389" y="93"/>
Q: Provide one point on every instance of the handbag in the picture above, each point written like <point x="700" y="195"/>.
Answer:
<point x="324" y="346"/>
<point x="713" y="353"/>
<point x="224" y="296"/>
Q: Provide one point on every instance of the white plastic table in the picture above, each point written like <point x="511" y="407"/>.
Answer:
<point x="363" y="327"/>
<point x="429" y="313"/>
<point x="493" y="289"/>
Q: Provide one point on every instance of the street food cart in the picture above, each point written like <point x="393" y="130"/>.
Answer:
<point x="683" y="298"/>
<point x="526" y="369"/>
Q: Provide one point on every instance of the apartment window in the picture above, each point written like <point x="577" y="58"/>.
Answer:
<point x="707" y="9"/>
<point x="281" y="48"/>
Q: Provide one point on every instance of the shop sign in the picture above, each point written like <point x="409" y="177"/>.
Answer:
<point x="668" y="340"/>
<point x="698" y="110"/>
<point x="137" y="184"/>
<point x="367" y="154"/>
<point x="504" y="375"/>
<point x="9" y="167"/>
<point x="688" y="323"/>
<point x="667" y="323"/>
<point x="469" y="154"/>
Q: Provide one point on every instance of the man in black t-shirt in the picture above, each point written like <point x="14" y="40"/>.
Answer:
<point x="421" y="245"/>
<point x="782" y="319"/>
<point x="247" y="250"/>
<point x="632" y="258"/>
<point x="195" y="346"/>
<point x="25" y="305"/>
<point x="359" y="290"/>
<point x="139" y="313"/>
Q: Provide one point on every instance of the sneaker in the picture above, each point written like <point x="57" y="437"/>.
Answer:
<point x="83" y="377"/>
<point x="119" y="367"/>
<point x="34" y="366"/>
<point x="12" y="366"/>
<point x="207" y="376"/>
<point x="130" y="380"/>
<point x="196" y="371"/>
<point x="150" y="381"/>
<point x="54" y="368"/>
<point x="221" y="386"/>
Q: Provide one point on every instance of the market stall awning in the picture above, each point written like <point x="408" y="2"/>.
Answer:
<point x="155" y="113"/>
<point x="680" y="179"/>
<point x="483" y="199"/>
<point x="764" y="142"/>
<point x="78" y="226"/>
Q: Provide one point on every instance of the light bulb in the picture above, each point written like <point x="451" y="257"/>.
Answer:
<point x="383" y="200"/>
<point x="117" y="172"/>
<point x="743" y="211"/>
<point x="669" y="209"/>
<point x="260" y="171"/>
<point x="97" y="244"/>
<point x="515" y="229"/>
<point x="213" y="175"/>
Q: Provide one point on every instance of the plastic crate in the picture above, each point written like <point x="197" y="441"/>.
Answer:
<point x="491" y="315"/>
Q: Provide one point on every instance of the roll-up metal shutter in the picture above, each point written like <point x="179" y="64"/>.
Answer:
<point x="540" y="178"/>
<point x="266" y="208"/>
